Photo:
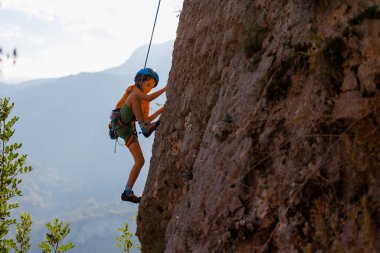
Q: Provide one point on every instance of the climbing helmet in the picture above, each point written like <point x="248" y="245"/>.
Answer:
<point x="147" y="72"/>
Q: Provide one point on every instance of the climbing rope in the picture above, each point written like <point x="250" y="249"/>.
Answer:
<point x="151" y="36"/>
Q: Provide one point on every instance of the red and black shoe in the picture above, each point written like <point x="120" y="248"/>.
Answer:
<point x="130" y="196"/>
<point x="151" y="128"/>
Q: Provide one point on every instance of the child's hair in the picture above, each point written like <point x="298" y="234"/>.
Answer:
<point x="139" y="79"/>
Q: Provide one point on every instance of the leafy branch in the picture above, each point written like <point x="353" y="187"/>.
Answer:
<point x="57" y="233"/>
<point x="124" y="241"/>
<point x="12" y="164"/>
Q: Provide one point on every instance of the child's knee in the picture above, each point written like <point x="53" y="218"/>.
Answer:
<point x="140" y="161"/>
<point x="132" y="99"/>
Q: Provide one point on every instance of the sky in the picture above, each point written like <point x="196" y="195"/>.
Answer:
<point x="55" y="38"/>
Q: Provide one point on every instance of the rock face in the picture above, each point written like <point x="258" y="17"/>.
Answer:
<point x="270" y="139"/>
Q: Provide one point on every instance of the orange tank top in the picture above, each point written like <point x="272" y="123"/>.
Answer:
<point x="144" y="104"/>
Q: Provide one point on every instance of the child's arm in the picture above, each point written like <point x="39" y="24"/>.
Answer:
<point x="149" y="97"/>
<point x="154" y="115"/>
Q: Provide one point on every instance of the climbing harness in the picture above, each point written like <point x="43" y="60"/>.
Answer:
<point x="116" y="121"/>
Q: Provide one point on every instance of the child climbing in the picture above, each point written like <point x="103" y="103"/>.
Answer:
<point x="134" y="105"/>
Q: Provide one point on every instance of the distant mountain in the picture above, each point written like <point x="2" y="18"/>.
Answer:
<point x="77" y="177"/>
<point x="137" y="60"/>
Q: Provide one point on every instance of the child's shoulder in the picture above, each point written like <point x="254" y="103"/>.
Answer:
<point x="131" y="88"/>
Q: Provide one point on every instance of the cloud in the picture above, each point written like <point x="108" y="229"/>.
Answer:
<point x="86" y="14"/>
<point x="9" y="32"/>
<point x="57" y="38"/>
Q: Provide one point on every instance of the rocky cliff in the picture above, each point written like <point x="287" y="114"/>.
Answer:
<point x="270" y="138"/>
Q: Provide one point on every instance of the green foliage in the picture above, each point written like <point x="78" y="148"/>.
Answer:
<point x="57" y="233"/>
<point x="12" y="164"/>
<point x="124" y="241"/>
<point x="22" y="234"/>
<point x="371" y="13"/>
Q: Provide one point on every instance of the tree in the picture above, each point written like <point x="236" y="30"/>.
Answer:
<point x="12" y="164"/>
<point x="124" y="241"/>
<point x="57" y="233"/>
<point x="22" y="234"/>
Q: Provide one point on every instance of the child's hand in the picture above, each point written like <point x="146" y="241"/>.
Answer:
<point x="165" y="88"/>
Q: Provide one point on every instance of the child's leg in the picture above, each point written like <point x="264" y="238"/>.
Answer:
<point x="138" y="157"/>
<point x="134" y="101"/>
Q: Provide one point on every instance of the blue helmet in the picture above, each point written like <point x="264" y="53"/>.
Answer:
<point x="148" y="72"/>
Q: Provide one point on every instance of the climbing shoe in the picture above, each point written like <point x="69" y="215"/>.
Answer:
<point x="151" y="129"/>
<point x="130" y="196"/>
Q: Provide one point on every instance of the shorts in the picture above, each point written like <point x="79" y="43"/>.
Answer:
<point x="126" y="115"/>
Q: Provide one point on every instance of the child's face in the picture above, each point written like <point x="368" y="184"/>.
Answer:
<point x="148" y="85"/>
